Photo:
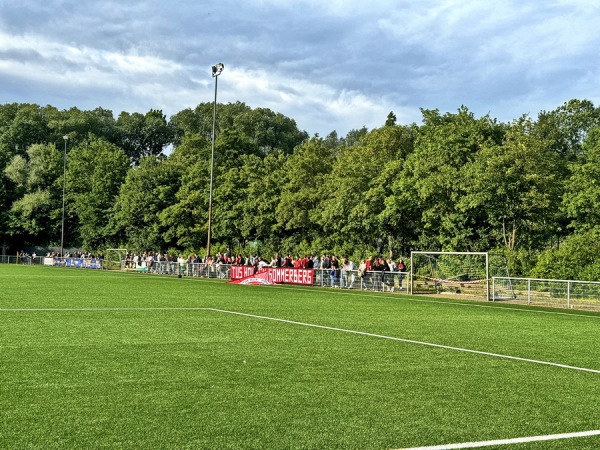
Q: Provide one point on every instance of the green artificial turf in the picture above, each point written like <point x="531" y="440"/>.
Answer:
<point x="94" y="359"/>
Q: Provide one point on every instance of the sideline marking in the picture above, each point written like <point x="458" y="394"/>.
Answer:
<point x="521" y="440"/>
<point x="323" y="327"/>
<point x="410" y="341"/>
<point x="108" y="308"/>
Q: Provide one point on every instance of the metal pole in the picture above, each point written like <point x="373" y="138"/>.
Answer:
<point x="216" y="72"/>
<point x="62" y="228"/>
<point x="411" y="273"/>
<point x="487" y="277"/>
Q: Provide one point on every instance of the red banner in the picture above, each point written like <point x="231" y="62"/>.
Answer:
<point x="292" y="276"/>
<point x="246" y="275"/>
<point x="259" y="278"/>
<point x="239" y="272"/>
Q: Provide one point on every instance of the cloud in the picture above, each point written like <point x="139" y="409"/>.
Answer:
<point x="334" y="65"/>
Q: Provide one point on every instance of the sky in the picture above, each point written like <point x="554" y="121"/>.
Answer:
<point x="330" y="65"/>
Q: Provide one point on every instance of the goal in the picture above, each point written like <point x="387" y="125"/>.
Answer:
<point x="113" y="258"/>
<point x="455" y="273"/>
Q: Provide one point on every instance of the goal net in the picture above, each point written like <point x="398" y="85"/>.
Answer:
<point x="113" y="258"/>
<point x="455" y="273"/>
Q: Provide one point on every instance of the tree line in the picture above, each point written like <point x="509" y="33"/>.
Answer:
<point x="529" y="188"/>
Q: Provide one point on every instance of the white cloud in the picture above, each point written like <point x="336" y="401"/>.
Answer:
<point x="308" y="102"/>
<point x="334" y="65"/>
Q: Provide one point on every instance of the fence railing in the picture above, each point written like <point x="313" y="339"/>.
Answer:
<point x="369" y="280"/>
<point x="340" y="279"/>
<point x="200" y="270"/>
<point x="6" y="259"/>
<point x="86" y="263"/>
<point x="542" y="292"/>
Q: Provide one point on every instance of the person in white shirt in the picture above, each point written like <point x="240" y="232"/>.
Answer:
<point x="347" y="273"/>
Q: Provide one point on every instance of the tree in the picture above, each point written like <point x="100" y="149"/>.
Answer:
<point x="361" y="180"/>
<point x="391" y="119"/>
<point x="94" y="176"/>
<point x="183" y="221"/>
<point x="434" y="180"/>
<point x="566" y="127"/>
<point x="78" y="125"/>
<point x="304" y="184"/>
<point x="267" y="130"/>
<point x="245" y="200"/>
<point x="144" y="135"/>
<point x="28" y="126"/>
<point x="517" y="187"/>
<point x="353" y="137"/>
<point x="576" y="259"/>
<point x="582" y="189"/>
<point x="35" y="213"/>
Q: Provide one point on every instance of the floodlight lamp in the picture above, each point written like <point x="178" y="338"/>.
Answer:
<point x="217" y="69"/>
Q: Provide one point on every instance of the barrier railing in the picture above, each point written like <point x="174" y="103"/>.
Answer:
<point x="369" y="280"/>
<point x="86" y="263"/>
<point x="78" y="263"/>
<point x="340" y="279"/>
<point x="542" y="292"/>
<point x="6" y="259"/>
<point x="201" y="270"/>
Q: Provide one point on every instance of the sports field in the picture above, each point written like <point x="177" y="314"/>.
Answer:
<point x="92" y="359"/>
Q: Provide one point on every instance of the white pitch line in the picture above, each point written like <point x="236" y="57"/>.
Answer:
<point x="521" y="440"/>
<point x="108" y="308"/>
<point x="410" y="341"/>
<point x="361" y="333"/>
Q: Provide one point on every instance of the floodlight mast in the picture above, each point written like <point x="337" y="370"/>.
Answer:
<point x="216" y="71"/>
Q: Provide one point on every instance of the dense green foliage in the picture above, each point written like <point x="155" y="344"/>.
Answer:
<point x="528" y="188"/>
<point x="135" y="361"/>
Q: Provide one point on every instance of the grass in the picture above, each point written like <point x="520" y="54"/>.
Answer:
<point x="109" y="360"/>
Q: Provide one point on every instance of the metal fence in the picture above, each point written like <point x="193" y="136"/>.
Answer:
<point x="553" y="293"/>
<point x="370" y="280"/>
<point x="339" y="279"/>
<point x="6" y="259"/>
<point x="85" y="263"/>
<point x="200" y="270"/>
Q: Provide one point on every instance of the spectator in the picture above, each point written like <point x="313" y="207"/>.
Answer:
<point x="362" y="270"/>
<point x="261" y="264"/>
<point x="347" y="273"/>
<point x="402" y="270"/>
<point x="391" y="264"/>
<point x="335" y="267"/>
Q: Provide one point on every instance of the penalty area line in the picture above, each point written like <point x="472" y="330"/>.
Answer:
<point x="521" y="440"/>
<point x="410" y="341"/>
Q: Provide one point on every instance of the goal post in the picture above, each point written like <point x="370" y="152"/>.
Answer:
<point x="454" y="273"/>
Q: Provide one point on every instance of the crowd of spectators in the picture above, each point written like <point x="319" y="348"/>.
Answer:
<point x="325" y="261"/>
<point x="376" y="273"/>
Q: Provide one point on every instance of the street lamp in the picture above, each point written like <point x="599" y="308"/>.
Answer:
<point x="62" y="228"/>
<point x="216" y="71"/>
